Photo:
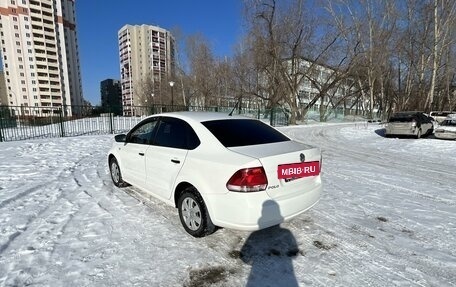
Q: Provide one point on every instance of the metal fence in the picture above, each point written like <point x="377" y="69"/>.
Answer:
<point x="22" y="123"/>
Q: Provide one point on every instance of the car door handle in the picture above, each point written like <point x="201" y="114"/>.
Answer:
<point x="175" y="161"/>
<point x="141" y="154"/>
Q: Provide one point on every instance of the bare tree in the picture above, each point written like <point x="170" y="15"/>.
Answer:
<point x="201" y="75"/>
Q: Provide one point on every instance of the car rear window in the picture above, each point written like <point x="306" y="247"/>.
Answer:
<point x="243" y="132"/>
<point x="449" y="122"/>
<point x="402" y="118"/>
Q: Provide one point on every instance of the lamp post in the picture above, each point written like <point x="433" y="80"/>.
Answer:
<point x="145" y="108"/>
<point x="172" y="94"/>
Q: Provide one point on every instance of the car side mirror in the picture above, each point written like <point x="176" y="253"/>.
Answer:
<point x="120" y="138"/>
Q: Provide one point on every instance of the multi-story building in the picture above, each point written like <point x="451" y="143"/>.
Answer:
<point x="3" y="94"/>
<point x="40" y="55"/>
<point x="146" y="64"/>
<point x="111" y="96"/>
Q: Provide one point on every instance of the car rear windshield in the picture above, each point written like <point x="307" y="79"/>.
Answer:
<point x="243" y="132"/>
<point x="402" y="118"/>
<point x="449" y="122"/>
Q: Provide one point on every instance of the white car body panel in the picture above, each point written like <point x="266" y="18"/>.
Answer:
<point x="162" y="167"/>
<point x="208" y="168"/>
<point x="447" y="131"/>
<point x="134" y="165"/>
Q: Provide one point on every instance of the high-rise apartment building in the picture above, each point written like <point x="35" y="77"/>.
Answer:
<point x="40" y="55"/>
<point x="3" y="94"/>
<point x="146" y="64"/>
<point x="111" y="96"/>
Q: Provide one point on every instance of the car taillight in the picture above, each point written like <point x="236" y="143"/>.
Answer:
<point x="413" y="123"/>
<point x="248" y="180"/>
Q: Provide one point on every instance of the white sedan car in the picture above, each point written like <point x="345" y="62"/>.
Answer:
<point x="218" y="170"/>
<point x="447" y="129"/>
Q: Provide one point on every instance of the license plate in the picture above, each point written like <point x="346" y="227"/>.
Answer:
<point x="298" y="170"/>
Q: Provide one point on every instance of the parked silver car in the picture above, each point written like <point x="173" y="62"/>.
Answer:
<point x="414" y="124"/>
<point x="447" y="129"/>
<point x="439" y="117"/>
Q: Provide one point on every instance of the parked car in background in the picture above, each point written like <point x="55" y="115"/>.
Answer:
<point x="447" y="128"/>
<point x="416" y="124"/>
<point x="218" y="170"/>
<point x="440" y="116"/>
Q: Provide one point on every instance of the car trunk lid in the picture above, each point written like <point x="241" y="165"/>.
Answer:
<point x="290" y="166"/>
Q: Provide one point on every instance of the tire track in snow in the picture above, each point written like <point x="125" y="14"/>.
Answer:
<point x="47" y="223"/>
<point x="20" y="195"/>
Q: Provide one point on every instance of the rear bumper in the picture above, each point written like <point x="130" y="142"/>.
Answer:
<point x="401" y="131"/>
<point x="446" y="136"/>
<point x="256" y="210"/>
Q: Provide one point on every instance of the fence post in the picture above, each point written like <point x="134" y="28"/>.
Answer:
<point x="271" y="120"/>
<point x="62" y="131"/>
<point x="111" y="124"/>
<point x="1" y="128"/>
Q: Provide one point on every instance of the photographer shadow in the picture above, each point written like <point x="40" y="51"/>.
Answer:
<point x="270" y="252"/>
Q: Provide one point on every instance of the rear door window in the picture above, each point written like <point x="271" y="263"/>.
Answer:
<point x="243" y="132"/>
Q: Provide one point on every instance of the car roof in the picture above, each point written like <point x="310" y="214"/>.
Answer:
<point x="200" y="116"/>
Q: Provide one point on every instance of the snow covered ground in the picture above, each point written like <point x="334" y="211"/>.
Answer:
<point x="387" y="217"/>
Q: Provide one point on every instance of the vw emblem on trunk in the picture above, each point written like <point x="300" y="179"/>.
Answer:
<point x="302" y="157"/>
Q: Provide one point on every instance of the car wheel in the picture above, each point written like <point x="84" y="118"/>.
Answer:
<point x="116" y="175"/>
<point x="193" y="214"/>
<point x="418" y="134"/>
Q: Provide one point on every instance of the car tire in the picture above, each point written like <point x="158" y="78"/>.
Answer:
<point x="116" y="175"/>
<point x="418" y="134"/>
<point x="193" y="213"/>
